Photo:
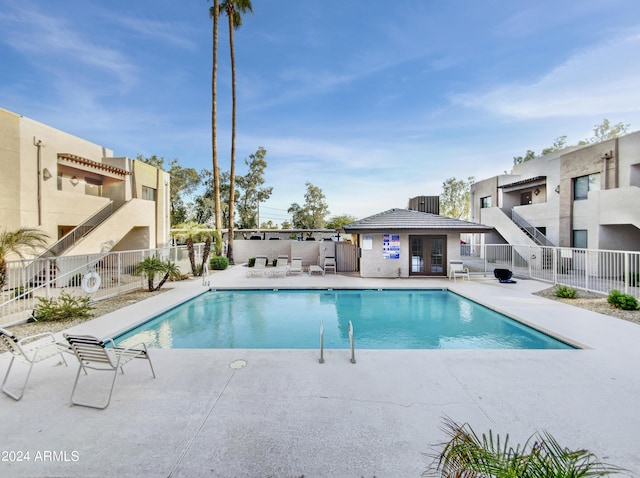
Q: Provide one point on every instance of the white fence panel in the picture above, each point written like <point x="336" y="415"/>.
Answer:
<point x="111" y="274"/>
<point x="588" y="269"/>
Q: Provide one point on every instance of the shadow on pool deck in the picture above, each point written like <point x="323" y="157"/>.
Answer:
<point x="284" y="414"/>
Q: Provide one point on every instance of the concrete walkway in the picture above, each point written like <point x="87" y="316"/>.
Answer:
<point x="285" y="415"/>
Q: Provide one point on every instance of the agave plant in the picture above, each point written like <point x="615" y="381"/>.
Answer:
<point x="466" y="455"/>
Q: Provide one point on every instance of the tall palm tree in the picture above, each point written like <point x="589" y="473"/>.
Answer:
<point x="24" y="238"/>
<point x="234" y="10"/>
<point x="214" y="12"/>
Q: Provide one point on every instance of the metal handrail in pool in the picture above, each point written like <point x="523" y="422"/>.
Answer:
<point x="321" y="359"/>
<point x="353" y="355"/>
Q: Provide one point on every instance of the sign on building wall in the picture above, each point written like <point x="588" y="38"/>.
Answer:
<point x="367" y="243"/>
<point x="391" y="246"/>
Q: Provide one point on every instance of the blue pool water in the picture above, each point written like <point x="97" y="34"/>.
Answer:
<point x="290" y="319"/>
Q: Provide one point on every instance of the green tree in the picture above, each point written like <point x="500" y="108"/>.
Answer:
<point x="203" y="203"/>
<point x="192" y="232"/>
<point x="268" y="225"/>
<point x="152" y="266"/>
<point x="527" y="157"/>
<point x="605" y="131"/>
<point x="336" y="222"/>
<point x="559" y="143"/>
<point x="312" y="214"/>
<point x="183" y="182"/>
<point x="286" y="224"/>
<point x="217" y="211"/>
<point x="601" y="132"/>
<point x="253" y="193"/>
<point x="24" y="239"/>
<point x="234" y="10"/>
<point x="455" y="200"/>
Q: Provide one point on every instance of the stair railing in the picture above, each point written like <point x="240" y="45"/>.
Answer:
<point x="530" y="230"/>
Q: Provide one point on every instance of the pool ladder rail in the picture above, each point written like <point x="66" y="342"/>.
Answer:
<point x="351" y="343"/>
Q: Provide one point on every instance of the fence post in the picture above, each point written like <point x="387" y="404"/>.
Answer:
<point x="626" y="275"/>
<point x="47" y="275"/>
<point x="586" y="270"/>
<point x="484" y="254"/>
<point x="119" y="262"/>
<point x="555" y="265"/>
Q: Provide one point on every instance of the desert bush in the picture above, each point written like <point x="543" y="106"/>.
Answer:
<point x="566" y="292"/>
<point x="219" y="263"/>
<point x="622" y="301"/>
<point x="64" y="307"/>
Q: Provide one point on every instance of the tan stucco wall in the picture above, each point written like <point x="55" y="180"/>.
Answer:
<point x="118" y="226"/>
<point x="9" y="170"/>
<point x="72" y="204"/>
<point x="373" y="263"/>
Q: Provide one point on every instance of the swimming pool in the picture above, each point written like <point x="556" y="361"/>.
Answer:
<point x="290" y="319"/>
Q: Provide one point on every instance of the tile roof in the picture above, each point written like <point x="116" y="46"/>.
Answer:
<point x="395" y="219"/>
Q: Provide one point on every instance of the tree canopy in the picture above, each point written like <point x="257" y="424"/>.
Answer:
<point x="601" y="132"/>
<point x="253" y="193"/>
<point x="183" y="182"/>
<point x="312" y="215"/>
<point x="455" y="200"/>
<point x="336" y="222"/>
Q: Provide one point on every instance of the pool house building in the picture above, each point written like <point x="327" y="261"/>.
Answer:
<point x="409" y="243"/>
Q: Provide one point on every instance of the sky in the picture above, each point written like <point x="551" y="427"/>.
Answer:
<point x="373" y="101"/>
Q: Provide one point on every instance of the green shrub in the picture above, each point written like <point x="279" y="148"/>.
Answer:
<point x="251" y="262"/>
<point x="566" y="292"/>
<point x="62" y="308"/>
<point x="622" y="301"/>
<point x="219" y="263"/>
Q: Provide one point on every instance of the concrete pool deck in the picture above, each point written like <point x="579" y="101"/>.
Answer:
<point x="285" y="415"/>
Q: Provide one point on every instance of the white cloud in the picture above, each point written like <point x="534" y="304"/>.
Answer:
<point x="53" y="42"/>
<point x="597" y="81"/>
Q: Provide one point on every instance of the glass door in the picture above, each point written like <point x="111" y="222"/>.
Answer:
<point x="428" y="255"/>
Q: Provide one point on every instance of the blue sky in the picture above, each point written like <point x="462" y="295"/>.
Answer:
<point x="372" y="101"/>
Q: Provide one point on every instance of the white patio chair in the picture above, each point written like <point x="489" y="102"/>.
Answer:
<point x="329" y="264"/>
<point x="28" y="350"/>
<point x="259" y="267"/>
<point x="281" y="267"/>
<point x="296" y="265"/>
<point x="93" y="354"/>
<point x="457" y="268"/>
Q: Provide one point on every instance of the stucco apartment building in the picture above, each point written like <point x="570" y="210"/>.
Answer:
<point x="582" y="196"/>
<point x="84" y="198"/>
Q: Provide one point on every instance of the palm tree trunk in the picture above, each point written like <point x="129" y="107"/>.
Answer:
<point x="192" y="255"/>
<point x="161" y="283"/>
<point x="214" y="133"/>
<point x="232" y="179"/>
<point x="205" y="252"/>
<point x="150" y="284"/>
<point x="3" y="272"/>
